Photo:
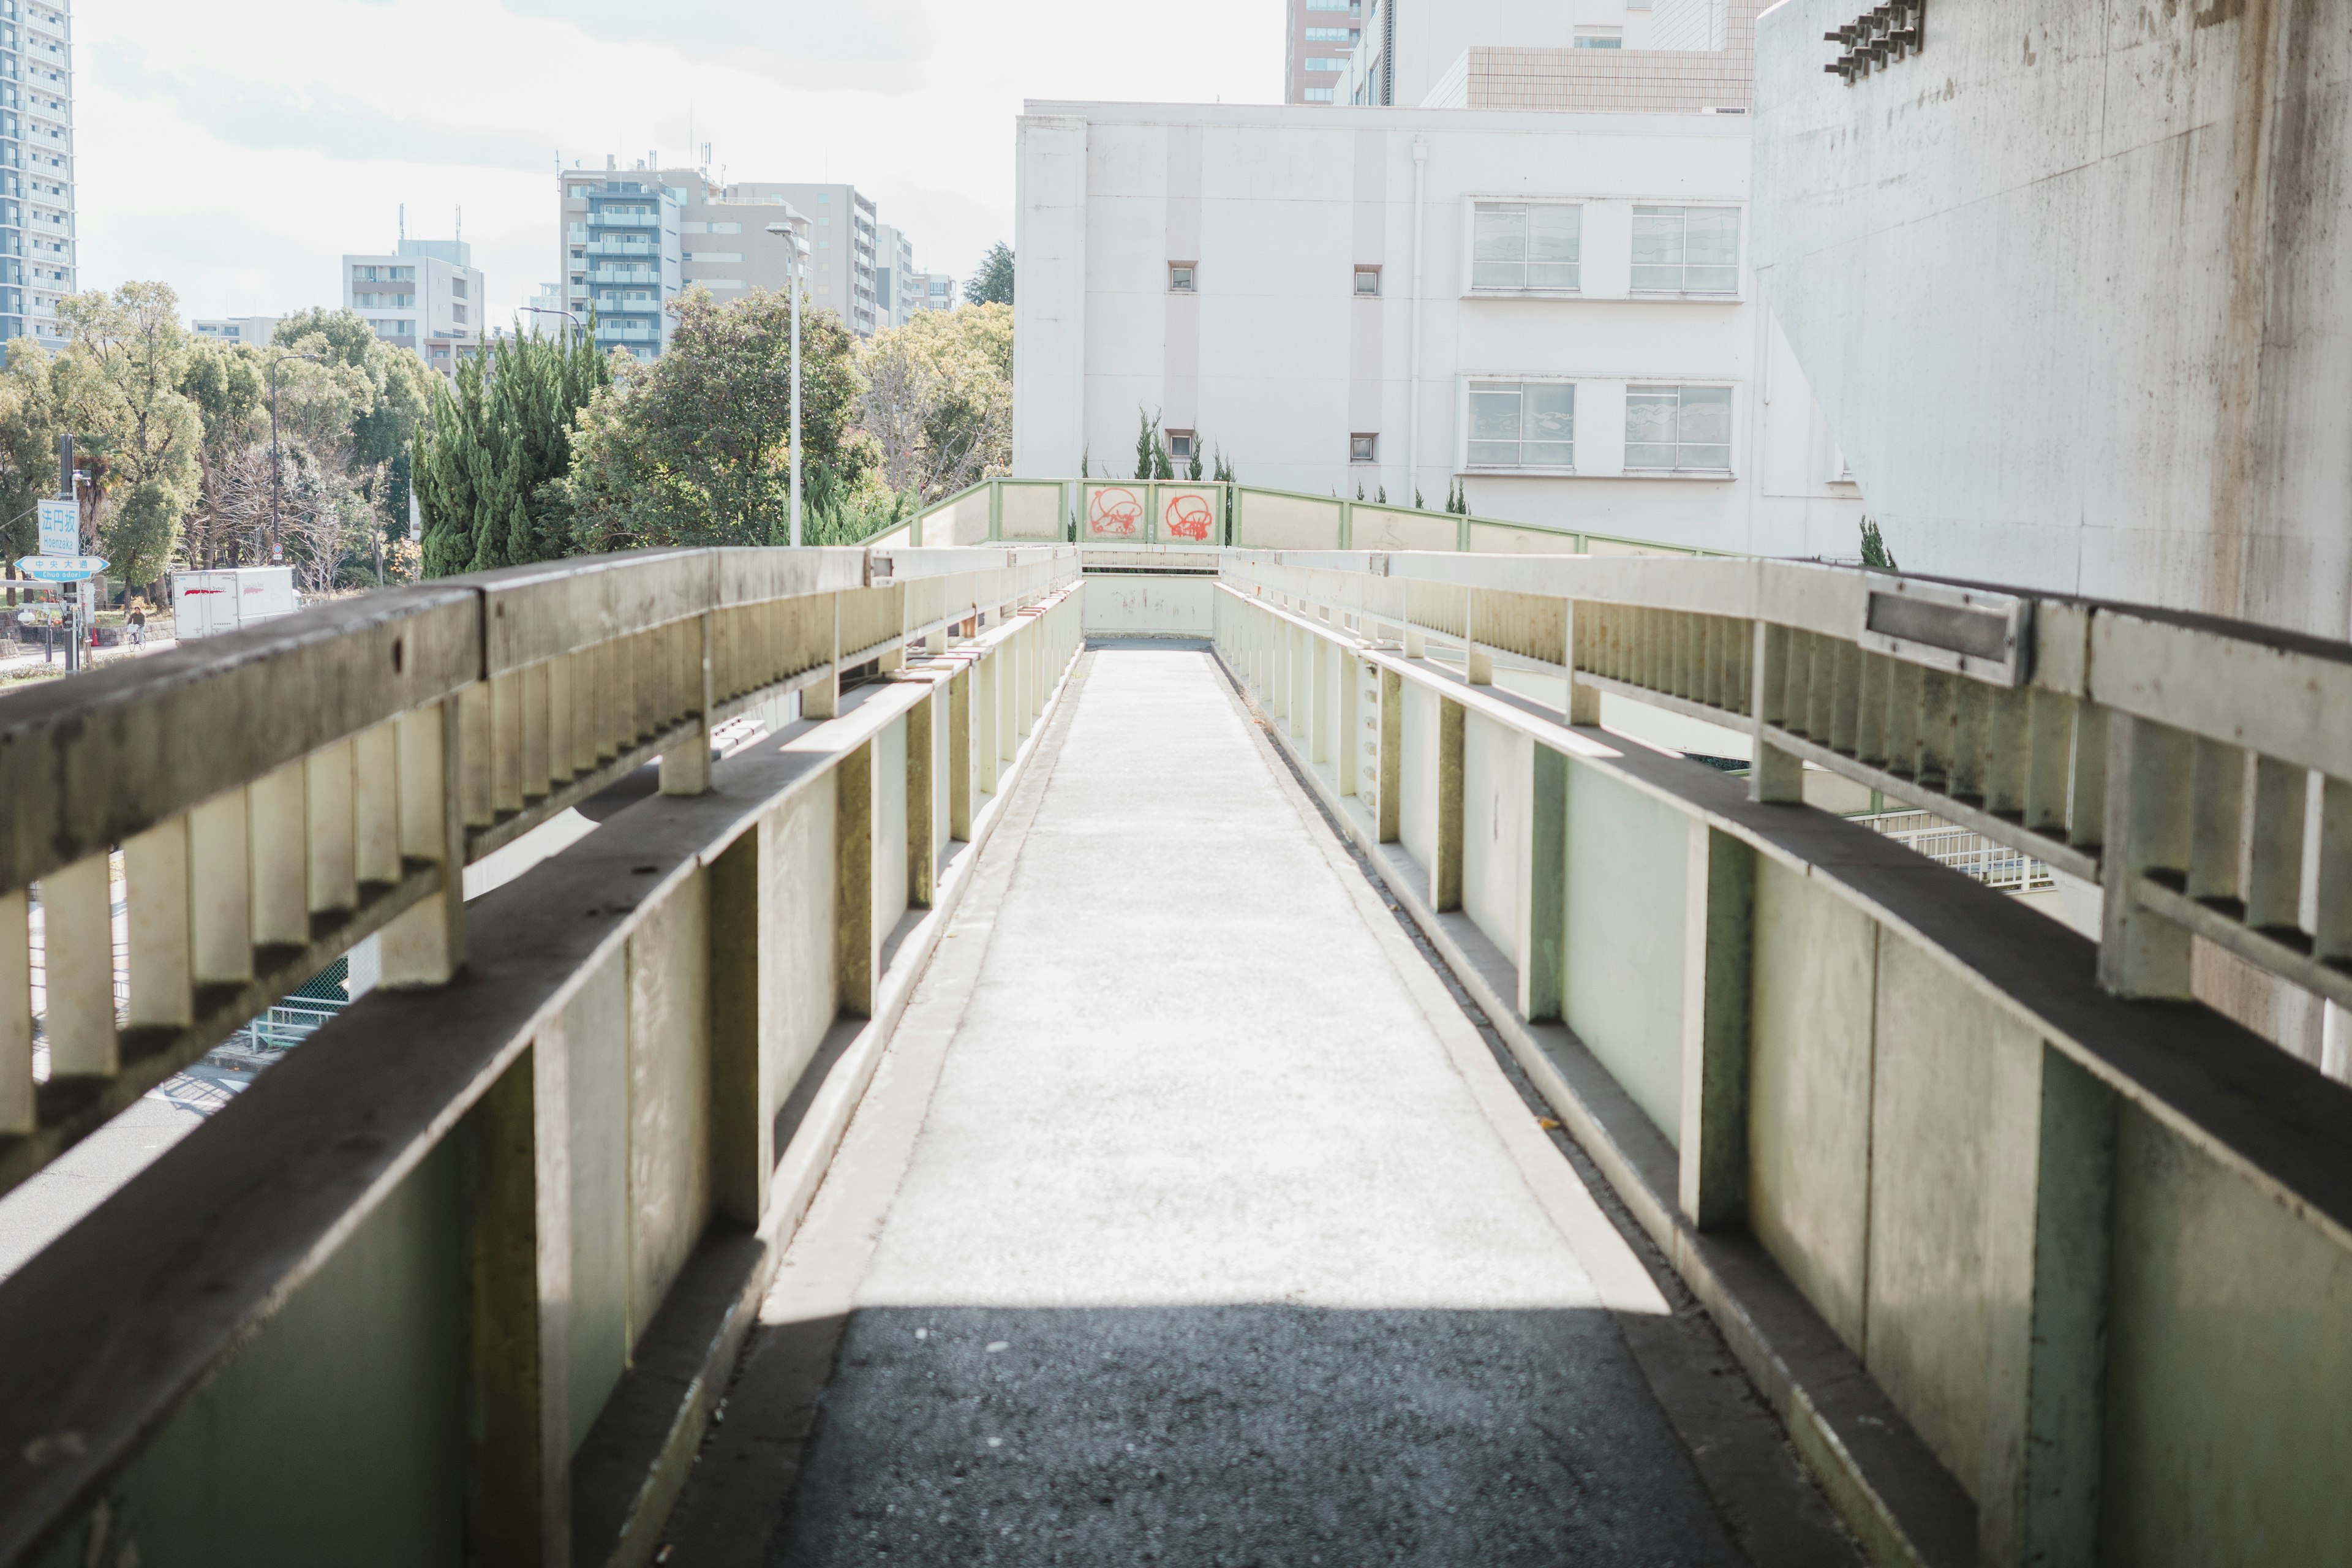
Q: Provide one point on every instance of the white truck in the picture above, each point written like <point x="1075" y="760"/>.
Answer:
<point x="206" y="604"/>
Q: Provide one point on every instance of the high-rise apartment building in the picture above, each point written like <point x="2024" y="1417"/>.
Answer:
<point x="895" y="285"/>
<point x="424" y="296"/>
<point x="633" y="240"/>
<point x="1320" y="35"/>
<point x="38" y="251"/>
<point x="842" y="255"/>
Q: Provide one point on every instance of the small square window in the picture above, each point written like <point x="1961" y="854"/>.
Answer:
<point x="1180" y="277"/>
<point x="1363" y="448"/>
<point x="1180" y="445"/>
<point x="1368" y="280"/>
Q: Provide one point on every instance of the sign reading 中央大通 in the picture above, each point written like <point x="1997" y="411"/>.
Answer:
<point x="60" y="528"/>
<point x="60" y="568"/>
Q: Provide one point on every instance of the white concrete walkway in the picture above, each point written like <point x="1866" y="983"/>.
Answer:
<point x="1188" y="1219"/>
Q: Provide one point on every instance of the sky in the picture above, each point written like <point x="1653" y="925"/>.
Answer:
<point x="236" y="148"/>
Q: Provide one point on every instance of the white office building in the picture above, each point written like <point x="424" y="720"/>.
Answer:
<point x="896" y="284"/>
<point x="251" y="331"/>
<point x="425" y="296"/>
<point x="1553" y="311"/>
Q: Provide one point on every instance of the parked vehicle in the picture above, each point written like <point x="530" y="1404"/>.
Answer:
<point x="209" y="603"/>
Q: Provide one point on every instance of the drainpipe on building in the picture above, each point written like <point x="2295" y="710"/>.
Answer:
<point x="1412" y="387"/>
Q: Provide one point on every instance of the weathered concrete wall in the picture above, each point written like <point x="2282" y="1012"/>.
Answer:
<point x="2074" y="286"/>
<point x="1622" y="980"/>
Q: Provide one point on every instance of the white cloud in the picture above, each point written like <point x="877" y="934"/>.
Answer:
<point x="236" y="152"/>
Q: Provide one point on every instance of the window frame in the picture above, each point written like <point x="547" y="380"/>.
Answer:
<point x="1472" y="289"/>
<point x="1188" y="440"/>
<point x="1363" y="446"/>
<point x="1683" y="265"/>
<point x="1363" y="272"/>
<point x="1192" y="278"/>
<point x="1471" y="386"/>
<point x="1678" y="471"/>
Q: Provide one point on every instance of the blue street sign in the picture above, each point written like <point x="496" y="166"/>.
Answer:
<point x="60" y="568"/>
<point x="60" y="528"/>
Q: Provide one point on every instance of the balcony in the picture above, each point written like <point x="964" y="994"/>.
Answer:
<point x="622" y="220"/>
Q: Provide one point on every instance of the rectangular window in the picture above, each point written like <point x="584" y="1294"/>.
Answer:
<point x="1180" y="277"/>
<point x="1330" y="6"/>
<point x="1363" y="448"/>
<point x="1317" y="63"/>
<point x="1522" y="425"/>
<point x="1687" y="250"/>
<point x="457" y="287"/>
<point x="1330" y="35"/>
<point x="1525" y="245"/>
<point x="1600" y="38"/>
<point x="1180" y="445"/>
<point x="1319" y="95"/>
<point x="1368" y="280"/>
<point x="1678" y="429"/>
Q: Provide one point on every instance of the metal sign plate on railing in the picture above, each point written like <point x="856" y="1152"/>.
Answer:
<point x="1979" y="633"/>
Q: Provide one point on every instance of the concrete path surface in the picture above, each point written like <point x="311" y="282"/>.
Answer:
<point x="1188" y="1220"/>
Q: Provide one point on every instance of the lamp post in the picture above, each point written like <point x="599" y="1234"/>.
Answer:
<point x="795" y="266"/>
<point x="544" y="310"/>
<point x="277" y="550"/>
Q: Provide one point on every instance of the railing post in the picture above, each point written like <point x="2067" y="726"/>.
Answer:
<point x="853" y="887"/>
<point x="822" y="698"/>
<point x="517" y="1484"/>
<point x="1390" y="745"/>
<point x="1718" y="958"/>
<point x="2048" y="1237"/>
<point x="960" y="803"/>
<point x="1445" y="860"/>
<point x="686" y="767"/>
<point x="426" y="945"/>
<point x="1775" y="775"/>
<point x="742" y="1135"/>
<point x="922" y="858"/>
<point x="1543" y="934"/>
<point x="155" y="878"/>
<point x="2151" y="780"/>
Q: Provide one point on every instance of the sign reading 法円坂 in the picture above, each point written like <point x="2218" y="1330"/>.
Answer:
<point x="60" y="528"/>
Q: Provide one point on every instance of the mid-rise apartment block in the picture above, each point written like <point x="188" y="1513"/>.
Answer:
<point x="425" y="296"/>
<point x="936" y="291"/>
<point x="251" y="331"/>
<point x="38" y="251"/>
<point x="1320" y="35"/>
<point x="638" y="238"/>
<point x="894" y="278"/>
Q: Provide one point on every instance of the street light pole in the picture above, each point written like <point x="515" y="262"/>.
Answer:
<point x="277" y="550"/>
<point x="795" y="264"/>
<point x="544" y="310"/>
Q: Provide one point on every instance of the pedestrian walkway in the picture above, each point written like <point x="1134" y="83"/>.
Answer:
<point x="1190" y="1220"/>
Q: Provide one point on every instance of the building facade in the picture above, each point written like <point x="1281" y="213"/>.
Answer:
<point x="251" y="331"/>
<point x="1552" y="311"/>
<point x="936" y="291"/>
<point x="425" y="296"/>
<point x="894" y="286"/>
<point x="2103" y="353"/>
<point x="1318" y="35"/>
<point x="843" y="253"/>
<point x="38" y="253"/>
<point x="1541" y="54"/>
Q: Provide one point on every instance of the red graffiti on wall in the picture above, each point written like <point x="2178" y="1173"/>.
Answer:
<point x="1188" y="517"/>
<point x="1115" y="512"/>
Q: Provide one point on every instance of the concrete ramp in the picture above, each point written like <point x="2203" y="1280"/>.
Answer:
<point x="1189" y="1219"/>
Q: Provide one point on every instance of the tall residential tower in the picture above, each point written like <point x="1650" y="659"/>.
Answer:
<point x="37" y="254"/>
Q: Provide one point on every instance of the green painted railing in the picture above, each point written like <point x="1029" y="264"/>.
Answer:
<point x="1207" y="511"/>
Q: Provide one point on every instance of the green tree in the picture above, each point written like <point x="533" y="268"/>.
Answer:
<point x="117" y="387"/>
<point x="939" y="399"/>
<point x="28" y="440"/>
<point x="491" y="462"/>
<point x="1150" y="451"/>
<point x="1874" y="548"/>
<point x="695" y="448"/>
<point x="991" y="284"/>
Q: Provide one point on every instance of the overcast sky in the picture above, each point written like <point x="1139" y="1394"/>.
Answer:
<point x="235" y="149"/>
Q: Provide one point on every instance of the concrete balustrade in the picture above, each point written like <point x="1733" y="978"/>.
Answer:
<point x="472" y="1257"/>
<point x="2033" y="1270"/>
